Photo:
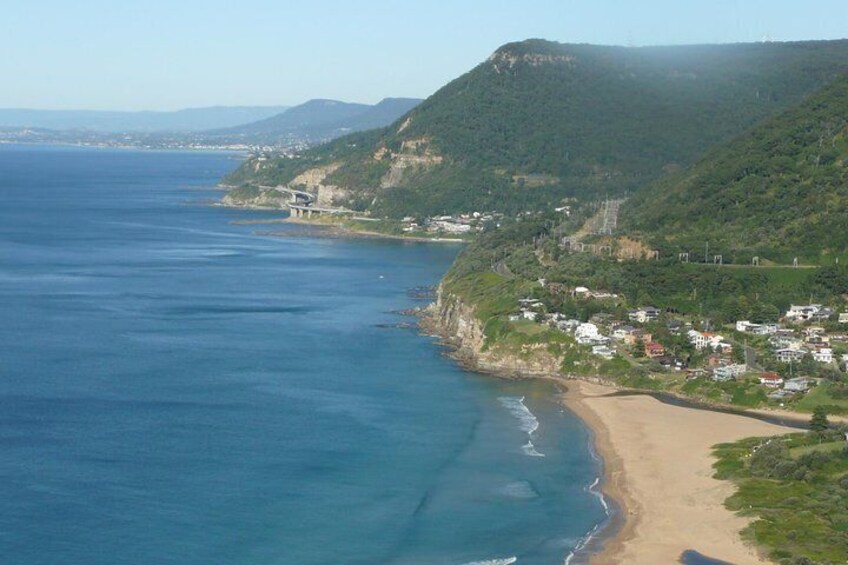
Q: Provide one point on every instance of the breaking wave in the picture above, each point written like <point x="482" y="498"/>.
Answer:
<point x="497" y="561"/>
<point x="527" y="421"/>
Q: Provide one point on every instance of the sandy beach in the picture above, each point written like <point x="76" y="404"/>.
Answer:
<point x="658" y="466"/>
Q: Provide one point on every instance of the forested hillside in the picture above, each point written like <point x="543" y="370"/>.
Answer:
<point x="540" y="121"/>
<point x="777" y="192"/>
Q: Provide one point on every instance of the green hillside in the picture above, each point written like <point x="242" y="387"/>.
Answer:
<point x="777" y="192"/>
<point x="539" y="121"/>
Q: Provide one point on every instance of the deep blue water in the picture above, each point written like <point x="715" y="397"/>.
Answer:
<point x="177" y="389"/>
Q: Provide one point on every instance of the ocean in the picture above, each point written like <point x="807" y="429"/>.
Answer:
<point x="176" y="388"/>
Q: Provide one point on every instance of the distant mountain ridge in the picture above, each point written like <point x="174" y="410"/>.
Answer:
<point x="187" y="120"/>
<point x="777" y="192"/>
<point x="320" y="120"/>
<point x="540" y="121"/>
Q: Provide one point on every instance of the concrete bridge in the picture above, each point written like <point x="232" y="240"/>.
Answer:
<point x="302" y="203"/>
<point x="299" y="197"/>
<point x="299" y="211"/>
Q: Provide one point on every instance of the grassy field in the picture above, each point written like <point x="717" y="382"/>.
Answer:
<point x="820" y="396"/>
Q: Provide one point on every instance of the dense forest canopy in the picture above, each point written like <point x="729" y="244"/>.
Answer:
<point x="540" y="121"/>
<point x="777" y="192"/>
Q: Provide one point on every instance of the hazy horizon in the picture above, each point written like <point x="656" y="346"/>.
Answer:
<point x="134" y="56"/>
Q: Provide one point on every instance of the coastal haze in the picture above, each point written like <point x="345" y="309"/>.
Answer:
<point x="178" y="389"/>
<point x="424" y="284"/>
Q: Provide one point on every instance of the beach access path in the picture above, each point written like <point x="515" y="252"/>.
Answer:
<point x="658" y="466"/>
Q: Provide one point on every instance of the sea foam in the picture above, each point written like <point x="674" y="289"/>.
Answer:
<point x="527" y="421"/>
<point x="497" y="561"/>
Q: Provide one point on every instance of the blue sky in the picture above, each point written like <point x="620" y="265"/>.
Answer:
<point x="132" y="54"/>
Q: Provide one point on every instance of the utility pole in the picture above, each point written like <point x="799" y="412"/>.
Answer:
<point x="707" y="252"/>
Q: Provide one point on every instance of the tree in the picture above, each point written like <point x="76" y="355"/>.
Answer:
<point x="819" y="422"/>
<point x="639" y="348"/>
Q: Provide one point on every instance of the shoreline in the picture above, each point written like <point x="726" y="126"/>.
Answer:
<point x="612" y="482"/>
<point x="329" y="229"/>
<point x="657" y="467"/>
<point x="340" y="230"/>
<point x="671" y="509"/>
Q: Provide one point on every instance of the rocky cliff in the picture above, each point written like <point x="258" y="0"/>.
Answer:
<point x="455" y="321"/>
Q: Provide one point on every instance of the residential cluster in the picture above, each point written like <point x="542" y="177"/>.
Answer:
<point x="705" y="352"/>
<point x="452" y="224"/>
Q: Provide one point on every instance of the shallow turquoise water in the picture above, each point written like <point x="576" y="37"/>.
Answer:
<point x="177" y="389"/>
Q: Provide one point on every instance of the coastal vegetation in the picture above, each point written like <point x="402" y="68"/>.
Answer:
<point x="796" y="489"/>
<point x="734" y="154"/>
<point x="541" y="121"/>
<point x="776" y="193"/>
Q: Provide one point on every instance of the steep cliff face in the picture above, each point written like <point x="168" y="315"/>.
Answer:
<point x="258" y="199"/>
<point x="456" y="322"/>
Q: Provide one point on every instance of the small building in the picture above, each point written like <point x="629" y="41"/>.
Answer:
<point x="798" y="384"/>
<point x="580" y="291"/>
<point x="746" y="326"/>
<point x="802" y="313"/>
<point x="586" y="333"/>
<point x="771" y="379"/>
<point x="728" y="372"/>
<point x="823" y="355"/>
<point x="621" y="333"/>
<point x="674" y="326"/>
<point x="603" y="351"/>
<point x="654" y="349"/>
<point x="724" y="347"/>
<point x="702" y="340"/>
<point x="843" y="317"/>
<point x="644" y="315"/>
<point x="790" y="355"/>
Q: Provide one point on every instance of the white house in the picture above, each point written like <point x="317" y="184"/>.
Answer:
<point x="745" y="326"/>
<point x="703" y="340"/>
<point x="798" y="384"/>
<point x="823" y="355"/>
<point x="603" y="351"/>
<point x="586" y="333"/>
<point x="728" y="372"/>
<point x="802" y="313"/>
<point x="789" y="355"/>
<point x="644" y="315"/>
<point x="621" y="333"/>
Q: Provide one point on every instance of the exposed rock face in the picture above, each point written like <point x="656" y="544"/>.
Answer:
<point x="330" y="196"/>
<point x="312" y="180"/>
<point x="506" y="60"/>
<point x="413" y="153"/>
<point x="267" y="199"/>
<point x="456" y="322"/>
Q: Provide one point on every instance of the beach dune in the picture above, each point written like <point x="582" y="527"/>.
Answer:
<point x="658" y="465"/>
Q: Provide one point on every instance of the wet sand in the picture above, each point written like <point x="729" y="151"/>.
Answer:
<point x="658" y="468"/>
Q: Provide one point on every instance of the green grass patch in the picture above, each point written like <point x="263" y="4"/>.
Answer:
<point x="820" y="396"/>
<point x="796" y="488"/>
